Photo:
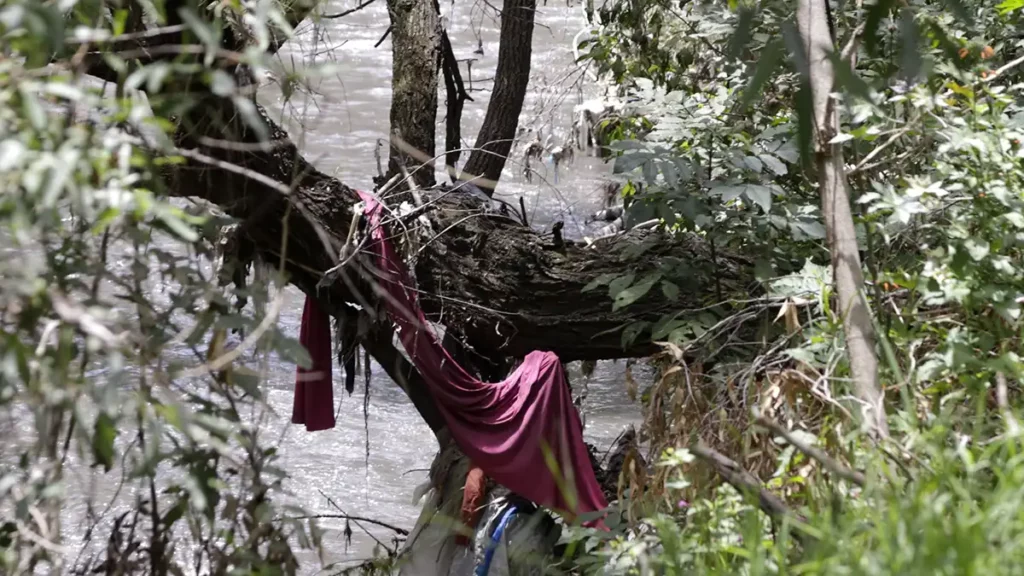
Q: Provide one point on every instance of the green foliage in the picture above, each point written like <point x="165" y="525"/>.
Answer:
<point x="110" y="313"/>
<point x="931" y="122"/>
<point x="953" y="512"/>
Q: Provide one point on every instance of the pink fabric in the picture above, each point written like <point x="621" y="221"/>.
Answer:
<point x="503" y="427"/>
<point x="314" y="388"/>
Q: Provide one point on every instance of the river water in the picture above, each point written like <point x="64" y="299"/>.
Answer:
<point x="339" y="126"/>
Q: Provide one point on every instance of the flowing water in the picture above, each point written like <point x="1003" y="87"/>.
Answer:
<point x="340" y="125"/>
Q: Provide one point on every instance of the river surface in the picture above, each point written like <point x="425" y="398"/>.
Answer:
<point x="339" y="126"/>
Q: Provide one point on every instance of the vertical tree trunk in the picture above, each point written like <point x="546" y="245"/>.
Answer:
<point x="415" y="42"/>
<point x="816" y="40"/>
<point x="494" y="142"/>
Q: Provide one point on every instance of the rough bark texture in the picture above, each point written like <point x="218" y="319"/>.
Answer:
<point x="416" y="43"/>
<point x="494" y="142"/>
<point x="498" y="285"/>
<point x="834" y="187"/>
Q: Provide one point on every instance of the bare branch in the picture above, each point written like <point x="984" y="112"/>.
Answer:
<point x="824" y="459"/>
<point x="344" y="13"/>
<point x="743" y="481"/>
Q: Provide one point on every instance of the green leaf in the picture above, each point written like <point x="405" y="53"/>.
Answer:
<point x="32" y="108"/>
<point x="635" y="292"/>
<point x="978" y="249"/>
<point x="668" y="170"/>
<point x="770" y="59"/>
<point x="666" y="326"/>
<point x="120" y="19"/>
<point x="849" y="79"/>
<point x="795" y="44"/>
<point x="741" y="35"/>
<point x="620" y="284"/>
<point x="805" y="122"/>
<point x="292" y="350"/>
<point x="600" y="281"/>
<point x="811" y="228"/>
<point x="1008" y="6"/>
<point x="630" y="333"/>
<point x="44" y="21"/>
<point x="221" y="83"/>
<point x="729" y="193"/>
<point x="760" y="195"/>
<point x="681" y="335"/>
<point x="788" y="152"/>
<point x="623" y="145"/>
<point x="774" y="164"/>
<point x="203" y="31"/>
<point x="629" y="162"/>
<point x="650" y="172"/>
<point x="804" y="102"/>
<point x="1015" y="218"/>
<point x="802" y="355"/>
<point x="104" y="433"/>
<point x="670" y="290"/>
<point x="177" y="226"/>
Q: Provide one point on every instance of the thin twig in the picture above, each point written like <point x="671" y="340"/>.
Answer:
<point x="358" y="523"/>
<point x="398" y="530"/>
<point x="824" y="459"/>
<point x="1002" y="69"/>
<point x="98" y="39"/>
<point x="384" y="37"/>
<point x="344" y="13"/>
<point x="878" y="150"/>
<point x="851" y="47"/>
<point x="229" y="56"/>
<point x="743" y="481"/>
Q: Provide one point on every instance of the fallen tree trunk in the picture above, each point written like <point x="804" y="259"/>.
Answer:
<point x="501" y="287"/>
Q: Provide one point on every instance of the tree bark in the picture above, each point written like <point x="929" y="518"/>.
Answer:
<point x="817" y="44"/>
<point x="415" y="42"/>
<point x="492" y="281"/>
<point x="494" y="142"/>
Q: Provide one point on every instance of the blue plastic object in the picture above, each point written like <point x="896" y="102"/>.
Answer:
<point x="499" y="531"/>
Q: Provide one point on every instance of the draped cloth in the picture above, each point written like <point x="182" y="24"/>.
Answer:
<point x="314" y="388"/>
<point x="524" y="431"/>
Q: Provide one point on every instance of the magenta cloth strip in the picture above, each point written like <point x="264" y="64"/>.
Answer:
<point x="507" y="428"/>
<point x="314" y="388"/>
